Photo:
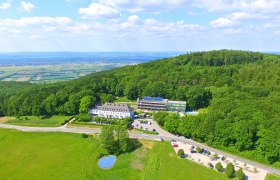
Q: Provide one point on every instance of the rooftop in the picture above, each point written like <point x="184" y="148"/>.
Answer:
<point x="116" y="107"/>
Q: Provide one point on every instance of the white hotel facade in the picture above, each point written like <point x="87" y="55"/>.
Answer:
<point x="113" y="110"/>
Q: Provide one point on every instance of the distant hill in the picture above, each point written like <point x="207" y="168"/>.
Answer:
<point x="241" y="90"/>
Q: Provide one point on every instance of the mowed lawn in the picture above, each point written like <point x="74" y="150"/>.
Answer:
<point x="272" y="177"/>
<point x="41" y="121"/>
<point x="69" y="156"/>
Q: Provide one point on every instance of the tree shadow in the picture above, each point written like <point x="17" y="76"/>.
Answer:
<point x="134" y="144"/>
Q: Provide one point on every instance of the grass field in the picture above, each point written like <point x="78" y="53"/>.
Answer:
<point x="123" y="99"/>
<point x="69" y="156"/>
<point x="272" y="177"/>
<point x="53" y="121"/>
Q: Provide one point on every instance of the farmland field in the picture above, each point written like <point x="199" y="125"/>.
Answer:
<point x="52" y="73"/>
<point x="69" y="156"/>
<point x="53" y="121"/>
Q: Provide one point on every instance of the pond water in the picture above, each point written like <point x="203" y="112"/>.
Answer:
<point x="107" y="162"/>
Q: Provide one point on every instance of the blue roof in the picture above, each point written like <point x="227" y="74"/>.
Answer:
<point x="148" y="98"/>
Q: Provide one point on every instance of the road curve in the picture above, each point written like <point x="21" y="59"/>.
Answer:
<point x="166" y="136"/>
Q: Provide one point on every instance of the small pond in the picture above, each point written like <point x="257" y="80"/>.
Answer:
<point x="107" y="162"/>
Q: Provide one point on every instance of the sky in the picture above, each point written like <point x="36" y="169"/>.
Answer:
<point x="139" y="25"/>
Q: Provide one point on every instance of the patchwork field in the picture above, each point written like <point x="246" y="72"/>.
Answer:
<point x="69" y="156"/>
<point x="52" y="73"/>
<point x="41" y="121"/>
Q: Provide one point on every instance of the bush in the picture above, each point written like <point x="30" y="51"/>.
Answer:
<point x="181" y="153"/>
<point x="230" y="170"/>
<point x="240" y="174"/>
<point x="83" y="117"/>
<point x="219" y="167"/>
<point x="84" y="135"/>
<point x="216" y="156"/>
<point x="198" y="149"/>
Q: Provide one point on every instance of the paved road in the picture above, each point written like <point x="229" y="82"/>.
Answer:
<point x="162" y="134"/>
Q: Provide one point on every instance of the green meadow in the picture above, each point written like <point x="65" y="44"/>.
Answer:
<point x="38" y="121"/>
<point x="69" y="156"/>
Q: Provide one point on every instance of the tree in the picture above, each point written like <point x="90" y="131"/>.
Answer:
<point x="107" y="98"/>
<point x="181" y="153"/>
<point x="198" y="97"/>
<point x="240" y="174"/>
<point x="107" y="139"/>
<point x="229" y="170"/>
<point x="122" y="139"/>
<point x="86" y="103"/>
<point x="219" y="167"/>
<point x="131" y="91"/>
<point x="116" y="139"/>
<point x="51" y="104"/>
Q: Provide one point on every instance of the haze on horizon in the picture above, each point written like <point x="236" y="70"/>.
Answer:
<point x="136" y="25"/>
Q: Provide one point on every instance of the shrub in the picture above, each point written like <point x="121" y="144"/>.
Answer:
<point x="240" y="174"/>
<point x="84" y="135"/>
<point x="219" y="167"/>
<point x="223" y="158"/>
<point x="198" y="149"/>
<point x="215" y="156"/>
<point x="181" y="153"/>
<point x="229" y="170"/>
<point x="83" y="117"/>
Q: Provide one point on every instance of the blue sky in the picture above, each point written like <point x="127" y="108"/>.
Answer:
<point x="139" y="25"/>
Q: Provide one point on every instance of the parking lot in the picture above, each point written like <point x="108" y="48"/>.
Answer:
<point x="149" y="125"/>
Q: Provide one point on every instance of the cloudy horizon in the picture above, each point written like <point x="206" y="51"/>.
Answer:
<point x="127" y="25"/>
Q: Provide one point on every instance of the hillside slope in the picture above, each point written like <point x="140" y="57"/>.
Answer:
<point x="242" y="90"/>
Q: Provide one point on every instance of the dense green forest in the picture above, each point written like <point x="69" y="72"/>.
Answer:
<point x="241" y="90"/>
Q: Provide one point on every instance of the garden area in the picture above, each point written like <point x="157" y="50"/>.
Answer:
<point x="39" y="121"/>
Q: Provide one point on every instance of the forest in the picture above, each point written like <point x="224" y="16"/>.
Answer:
<point x="241" y="90"/>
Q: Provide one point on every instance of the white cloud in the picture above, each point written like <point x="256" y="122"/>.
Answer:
<point x="97" y="10"/>
<point x="26" y="6"/>
<point x="154" y="6"/>
<point x="234" y="5"/>
<point x="222" y="22"/>
<point x="248" y="16"/>
<point x="40" y="21"/>
<point x="5" y="5"/>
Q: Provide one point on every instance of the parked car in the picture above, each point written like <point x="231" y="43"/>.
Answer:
<point x="146" y="128"/>
<point x="172" y="140"/>
<point x="175" y="145"/>
<point x="154" y="130"/>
